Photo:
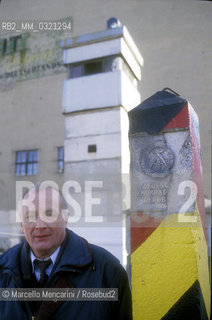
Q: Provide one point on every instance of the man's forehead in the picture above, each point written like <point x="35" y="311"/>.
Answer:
<point x="43" y="196"/>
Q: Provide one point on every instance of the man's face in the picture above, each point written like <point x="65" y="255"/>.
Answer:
<point x="42" y="221"/>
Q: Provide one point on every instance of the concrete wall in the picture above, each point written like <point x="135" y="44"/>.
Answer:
<point x="111" y="89"/>
<point x="98" y="215"/>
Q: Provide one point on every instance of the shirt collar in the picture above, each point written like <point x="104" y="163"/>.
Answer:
<point x="53" y="257"/>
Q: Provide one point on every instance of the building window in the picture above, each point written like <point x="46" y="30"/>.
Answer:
<point x="26" y="162"/>
<point x="60" y="159"/>
<point x="86" y="68"/>
<point x="93" y="67"/>
<point x="92" y="148"/>
<point x="75" y="71"/>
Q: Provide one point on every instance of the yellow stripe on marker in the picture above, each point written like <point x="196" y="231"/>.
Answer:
<point x="166" y="265"/>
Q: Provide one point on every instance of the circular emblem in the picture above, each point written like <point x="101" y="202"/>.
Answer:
<point x="157" y="160"/>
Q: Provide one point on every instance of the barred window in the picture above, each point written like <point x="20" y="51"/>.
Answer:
<point x="60" y="159"/>
<point x="26" y="162"/>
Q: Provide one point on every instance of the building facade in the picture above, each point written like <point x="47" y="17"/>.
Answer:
<point x="173" y="38"/>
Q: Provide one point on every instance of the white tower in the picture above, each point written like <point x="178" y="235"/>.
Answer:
<point x="103" y="71"/>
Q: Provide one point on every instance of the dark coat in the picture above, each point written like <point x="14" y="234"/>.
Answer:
<point x="78" y="265"/>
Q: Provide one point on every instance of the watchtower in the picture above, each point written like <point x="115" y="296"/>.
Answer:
<point x="103" y="70"/>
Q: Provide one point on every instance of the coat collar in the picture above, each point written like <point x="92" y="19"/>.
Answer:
<point x="75" y="252"/>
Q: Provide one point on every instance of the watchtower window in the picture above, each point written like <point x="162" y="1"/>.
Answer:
<point x="93" y="67"/>
<point x="86" y="68"/>
<point x="76" y="71"/>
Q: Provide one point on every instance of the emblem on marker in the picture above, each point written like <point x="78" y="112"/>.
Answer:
<point x="157" y="160"/>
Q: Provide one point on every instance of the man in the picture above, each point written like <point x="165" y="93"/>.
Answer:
<point x="54" y="257"/>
